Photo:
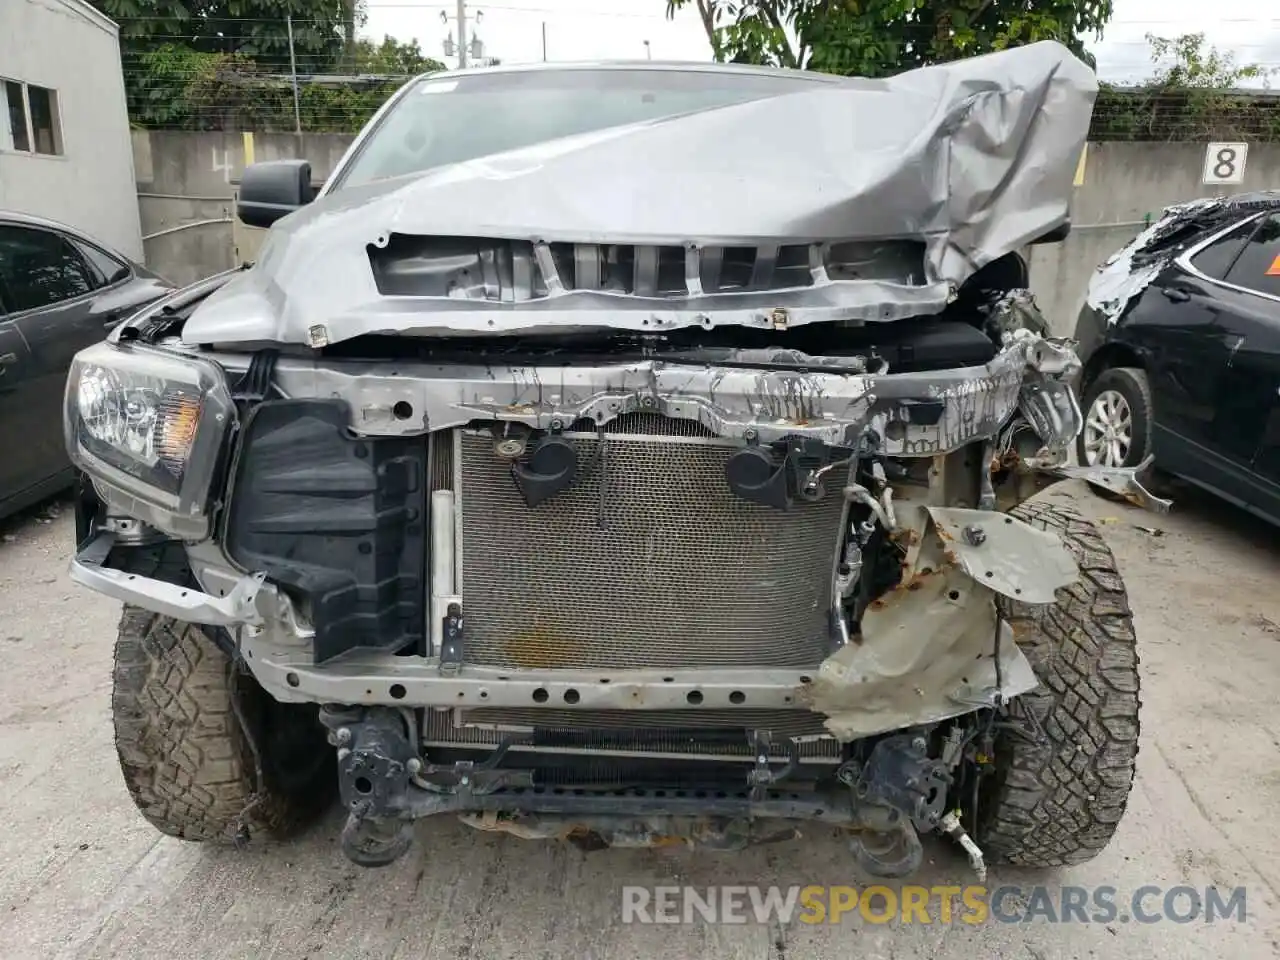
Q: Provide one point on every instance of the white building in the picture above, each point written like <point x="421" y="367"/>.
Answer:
<point x="65" y="151"/>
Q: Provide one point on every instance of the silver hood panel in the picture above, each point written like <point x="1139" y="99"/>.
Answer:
<point x="973" y="159"/>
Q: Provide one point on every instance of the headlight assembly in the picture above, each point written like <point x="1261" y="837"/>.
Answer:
<point x="150" y="425"/>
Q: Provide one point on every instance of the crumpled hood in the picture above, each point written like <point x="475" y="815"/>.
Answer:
<point x="972" y="159"/>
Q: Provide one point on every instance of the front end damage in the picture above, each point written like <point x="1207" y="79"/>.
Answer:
<point x="678" y="522"/>
<point x="633" y="602"/>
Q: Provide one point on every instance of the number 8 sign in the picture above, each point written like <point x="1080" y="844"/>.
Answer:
<point x="1224" y="162"/>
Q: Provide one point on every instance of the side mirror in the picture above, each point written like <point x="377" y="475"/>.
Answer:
<point x="270" y="190"/>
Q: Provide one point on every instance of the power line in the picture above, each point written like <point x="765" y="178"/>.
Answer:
<point x="924" y="29"/>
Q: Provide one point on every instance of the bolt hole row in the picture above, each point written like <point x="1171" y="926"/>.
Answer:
<point x="542" y="695"/>
<point x="693" y="697"/>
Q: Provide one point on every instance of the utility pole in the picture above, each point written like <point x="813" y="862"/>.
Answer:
<point x="544" y="41"/>
<point x="462" y="34"/>
<point x="293" y="71"/>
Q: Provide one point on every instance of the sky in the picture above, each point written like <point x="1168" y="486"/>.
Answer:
<point x="618" y="30"/>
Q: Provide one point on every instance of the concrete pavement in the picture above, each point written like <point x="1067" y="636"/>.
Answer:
<point x="84" y="876"/>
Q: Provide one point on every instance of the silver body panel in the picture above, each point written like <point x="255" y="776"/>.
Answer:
<point x="968" y="161"/>
<point x="974" y="159"/>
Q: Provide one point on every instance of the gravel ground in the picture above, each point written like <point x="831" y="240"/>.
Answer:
<point x="86" y="877"/>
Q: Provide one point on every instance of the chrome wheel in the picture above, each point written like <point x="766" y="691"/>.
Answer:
<point x="1108" y="430"/>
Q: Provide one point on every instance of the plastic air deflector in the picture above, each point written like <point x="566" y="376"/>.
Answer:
<point x="338" y="521"/>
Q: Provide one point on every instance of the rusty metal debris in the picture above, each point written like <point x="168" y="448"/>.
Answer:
<point x="925" y="655"/>
<point x="1122" y="481"/>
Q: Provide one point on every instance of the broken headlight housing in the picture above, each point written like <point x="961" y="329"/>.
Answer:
<point x="147" y="427"/>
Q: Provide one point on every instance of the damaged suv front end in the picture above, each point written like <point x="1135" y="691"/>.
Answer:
<point x="627" y="525"/>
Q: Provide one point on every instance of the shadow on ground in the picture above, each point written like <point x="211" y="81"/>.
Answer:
<point x="28" y="521"/>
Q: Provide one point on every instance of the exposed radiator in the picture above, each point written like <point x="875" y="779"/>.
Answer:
<point x="648" y="561"/>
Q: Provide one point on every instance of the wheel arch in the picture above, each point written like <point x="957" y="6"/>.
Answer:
<point x="1109" y="355"/>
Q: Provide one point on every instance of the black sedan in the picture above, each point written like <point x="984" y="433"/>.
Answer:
<point x="1180" y="338"/>
<point x="59" y="292"/>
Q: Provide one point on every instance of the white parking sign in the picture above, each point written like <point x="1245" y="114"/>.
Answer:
<point x="1224" y="162"/>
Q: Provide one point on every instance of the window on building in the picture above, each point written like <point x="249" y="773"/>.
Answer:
<point x="17" y="105"/>
<point x="34" y="124"/>
<point x="46" y="132"/>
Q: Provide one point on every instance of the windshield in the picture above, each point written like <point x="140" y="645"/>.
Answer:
<point x="444" y="119"/>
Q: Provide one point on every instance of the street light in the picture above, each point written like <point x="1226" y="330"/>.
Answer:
<point x="648" y="53"/>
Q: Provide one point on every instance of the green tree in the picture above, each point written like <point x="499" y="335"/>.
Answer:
<point x="880" y="37"/>
<point x="1193" y="95"/>
<point x="393" y="58"/>
<point x="230" y="91"/>
<point x="221" y="64"/>
<point x="1185" y="62"/>
<point x="322" y="29"/>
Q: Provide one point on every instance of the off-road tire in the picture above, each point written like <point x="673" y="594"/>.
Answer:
<point x="1058" y="801"/>
<point x="185" y="758"/>
<point x="1131" y="383"/>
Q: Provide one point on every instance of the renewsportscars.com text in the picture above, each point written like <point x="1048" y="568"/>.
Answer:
<point x="971" y="905"/>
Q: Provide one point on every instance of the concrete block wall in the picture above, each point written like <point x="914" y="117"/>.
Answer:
<point x="1124" y="183"/>
<point x="187" y="183"/>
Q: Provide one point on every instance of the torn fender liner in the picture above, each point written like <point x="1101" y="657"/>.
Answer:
<point x="1006" y="554"/>
<point x="974" y="159"/>
<point x="926" y="653"/>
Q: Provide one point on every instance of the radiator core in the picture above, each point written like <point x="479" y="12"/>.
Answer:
<point x="647" y="561"/>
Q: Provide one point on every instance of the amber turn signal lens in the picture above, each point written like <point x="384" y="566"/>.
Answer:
<point x="179" y="417"/>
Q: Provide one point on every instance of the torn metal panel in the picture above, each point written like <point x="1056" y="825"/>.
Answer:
<point x="1130" y="270"/>
<point x="1005" y="554"/>
<point x="1017" y="310"/>
<point x="971" y="160"/>
<point x="241" y="605"/>
<point x="925" y="654"/>
<point x="1119" y="480"/>
<point x="1050" y="406"/>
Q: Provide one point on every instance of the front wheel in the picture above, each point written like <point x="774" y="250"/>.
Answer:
<point x="1056" y="799"/>
<point x="181" y="711"/>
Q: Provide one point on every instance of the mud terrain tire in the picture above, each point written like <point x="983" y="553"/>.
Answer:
<point x="186" y="762"/>
<point x="1059" y="801"/>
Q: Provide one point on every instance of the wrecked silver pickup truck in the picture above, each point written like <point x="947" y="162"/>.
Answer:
<point x="654" y="462"/>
